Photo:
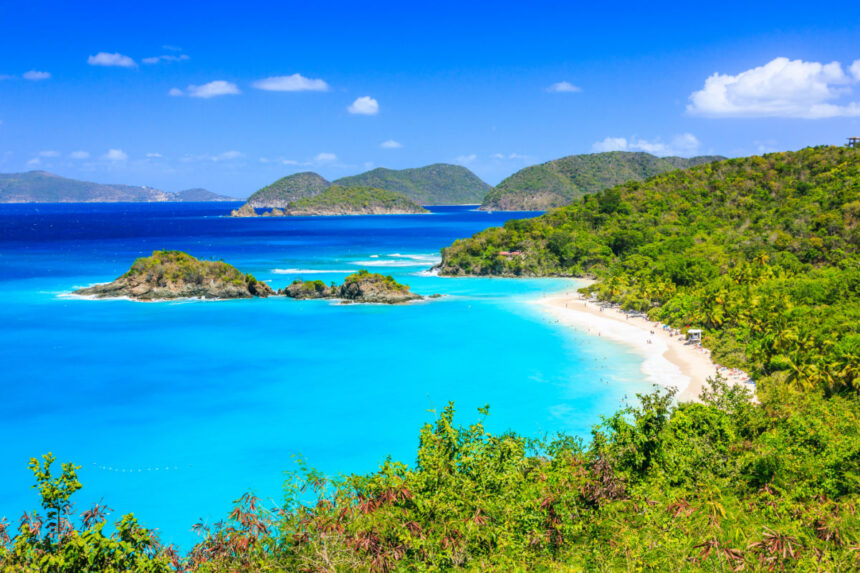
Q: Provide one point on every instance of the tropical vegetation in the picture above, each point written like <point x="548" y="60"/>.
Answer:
<point x="348" y="200"/>
<point x="561" y="181"/>
<point x="288" y="189"/>
<point x="763" y="253"/>
<point x="437" y="184"/>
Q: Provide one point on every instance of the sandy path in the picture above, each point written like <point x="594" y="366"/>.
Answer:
<point x="668" y="360"/>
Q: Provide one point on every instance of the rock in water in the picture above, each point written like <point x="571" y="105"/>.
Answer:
<point x="174" y="274"/>
<point x="373" y="287"/>
<point x="300" y="289"/>
<point x="246" y="210"/>
<point x="358" y="287"/>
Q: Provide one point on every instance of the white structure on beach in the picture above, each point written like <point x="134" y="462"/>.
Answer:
<point x="694" y="335"/>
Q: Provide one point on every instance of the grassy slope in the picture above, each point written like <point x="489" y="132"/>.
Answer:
<point x="437" y="184"/>
<point x="559" y="182"/>
<point x="288" y="189"/>
<point x="338" y="198"/>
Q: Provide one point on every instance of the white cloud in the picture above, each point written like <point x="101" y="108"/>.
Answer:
<point x="212" y="89"/>
<point x="115" y="60"/>
<point x="780" y="88"/>
<point x="49" y="153"/>
<point x="510" y="156"/>
<point x="325" y="157"/>
<point x="390" y="144"/>
<point x="34" y="162"/>
<point x="115" y="155"/>
<point x="154" y="155"/>
<point x="364" y="105"/>
<point x="293" y="83"/>
<point x="466" y="158"/>
<point x="563" y="87"/>
<point x="35" y="75"/>
<point x="228" y="155"/>
<point x="684" y="144"/>
<point x="79" y="155"/>
<point x="165" y="58"/>
<point x="5" y="77"/>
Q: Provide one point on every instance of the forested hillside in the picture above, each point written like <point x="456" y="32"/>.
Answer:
<point x="437" y="184"/>
<point x="559" y="182"/>
<point x="760" y="251"/>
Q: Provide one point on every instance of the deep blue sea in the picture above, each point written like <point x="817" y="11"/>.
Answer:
<point x="174" y="409"/>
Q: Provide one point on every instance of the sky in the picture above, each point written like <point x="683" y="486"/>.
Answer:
<point x="231" y="96"/>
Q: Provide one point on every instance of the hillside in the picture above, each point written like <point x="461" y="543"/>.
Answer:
<point x="558" y="182"/>
<point x="44" y="187"/>
<point x="770" y="241"/>
<point x="437" y="184"/>
<point x="339" y="200"/>
<point x="288" y="189"/>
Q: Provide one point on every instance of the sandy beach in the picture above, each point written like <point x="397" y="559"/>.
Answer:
<point x="668" y="360"/>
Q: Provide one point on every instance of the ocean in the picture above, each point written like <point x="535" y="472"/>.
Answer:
<point x="174" y="409"/>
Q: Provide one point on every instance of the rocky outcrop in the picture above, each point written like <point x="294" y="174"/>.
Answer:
<point x="360" y="287"/>
<point x="246" y="210"/>
<point x="274" y="213"/>
<point x="174" y="275"/>
<point x="301" y="290"/>
<point x="372" y="287"/>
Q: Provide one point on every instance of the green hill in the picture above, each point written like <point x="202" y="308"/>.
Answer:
<point x="340" y="200"/>
<point x="558" y="182"/>
<point x="437" y="184"/>
<point x="288" y="189"/>
<point x="44" y="187"/>
<point x="761" y="251"/>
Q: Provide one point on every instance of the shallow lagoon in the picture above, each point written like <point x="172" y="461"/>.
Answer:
<point x="174" y="409"/>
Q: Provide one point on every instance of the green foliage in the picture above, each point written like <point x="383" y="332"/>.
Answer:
<point x="762" y="252"/>
<point x="721" y="485"/>
<point x="337" y="200"/>
<point x="364" y="276"/>
<point x="437" y="184"/>
<point x="559" y="182"/>
<point x="164" y="267"/>
<point x="52" y="543"/>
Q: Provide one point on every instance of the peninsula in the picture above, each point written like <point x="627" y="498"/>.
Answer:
<point x="44" y="187"/>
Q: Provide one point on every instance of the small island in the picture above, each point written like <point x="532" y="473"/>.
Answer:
<point x="338" y="200"/>
<point x="170" y="275"/>
<point x="175" y="274"/>
<point x="360" y="287"/>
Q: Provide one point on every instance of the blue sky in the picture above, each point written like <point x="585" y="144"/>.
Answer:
<point x="230" y="96"/>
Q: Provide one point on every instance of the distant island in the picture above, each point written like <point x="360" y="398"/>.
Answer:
<point x="339" y="200"/>
<point x="561" y="181"/>
<point x="438" y="184"/>
<point x="168" y="275"/>
<point x="44" y="187"/>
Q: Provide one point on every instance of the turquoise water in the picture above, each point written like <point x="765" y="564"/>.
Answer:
<point x="174" y="409"/>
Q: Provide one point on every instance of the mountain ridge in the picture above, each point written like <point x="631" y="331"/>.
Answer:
<point x="46" y="187"/>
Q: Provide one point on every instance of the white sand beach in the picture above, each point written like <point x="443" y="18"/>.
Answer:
<point x="668" y="360"/>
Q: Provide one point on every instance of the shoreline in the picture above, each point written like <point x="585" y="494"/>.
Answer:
<point x="667" y="359"/>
